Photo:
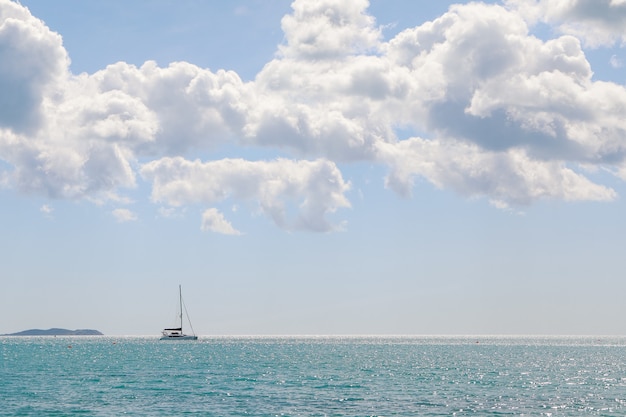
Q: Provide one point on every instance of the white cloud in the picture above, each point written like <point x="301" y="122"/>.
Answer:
<point x="328" y="29"/>
<point x="537" y="97"/>
<point x="469" y="170"/>
<point x="596" y="22"/>
<point x="504" y="115"/>
<point x="616" y="62"/>
<point x="296" y="195"/>
<point x="46" y="210"/>
<point x="179" y="108"/>
<point x="214" y="221"/>
<point x="124" y="215"/>
<point x="32" y="63"/>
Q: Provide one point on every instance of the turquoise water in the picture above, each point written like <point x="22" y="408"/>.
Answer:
<point x="313" y="376"/>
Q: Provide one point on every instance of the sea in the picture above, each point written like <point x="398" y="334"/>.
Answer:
<point x="313" y="376"/>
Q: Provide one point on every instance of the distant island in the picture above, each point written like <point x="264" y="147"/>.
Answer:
<point x="56" y="332"/>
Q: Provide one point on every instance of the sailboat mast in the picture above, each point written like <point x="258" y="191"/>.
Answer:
<point x="180" y="303"/>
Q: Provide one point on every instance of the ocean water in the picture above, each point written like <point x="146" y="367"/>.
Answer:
<point x="313" y="376"/>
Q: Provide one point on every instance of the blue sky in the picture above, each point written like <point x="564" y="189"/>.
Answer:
<point x="327" y="167"/>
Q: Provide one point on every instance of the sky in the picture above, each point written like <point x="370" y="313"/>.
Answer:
<point x="313" y="167"/>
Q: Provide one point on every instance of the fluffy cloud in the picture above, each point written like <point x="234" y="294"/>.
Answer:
<point x="502" y="114"/>
<point x="597" y="22"/>
<point x="214" y="221"/>
<point x="511" y="103"/>
<point x="294" y="194"/>
<point x="179" y="108"/>
<point x="469" y="170"/>
<point x="328" y="29"/>
<point x="62" y="140"/>
<point x="32" y="63"/>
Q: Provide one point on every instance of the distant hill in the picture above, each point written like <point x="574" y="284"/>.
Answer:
<point x="56" y="332"/>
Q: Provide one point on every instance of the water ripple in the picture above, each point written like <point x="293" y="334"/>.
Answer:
<point x="312" y="377"/>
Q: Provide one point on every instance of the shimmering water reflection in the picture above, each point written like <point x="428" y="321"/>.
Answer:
<point x="313" y="376"/>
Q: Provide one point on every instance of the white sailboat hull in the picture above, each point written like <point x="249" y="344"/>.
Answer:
<point x="183" y="337"/>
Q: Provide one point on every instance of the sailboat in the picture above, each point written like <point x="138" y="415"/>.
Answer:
<point x="176" y="333"/>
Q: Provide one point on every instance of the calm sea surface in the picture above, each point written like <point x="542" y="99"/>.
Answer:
<point x="313" y="376"/>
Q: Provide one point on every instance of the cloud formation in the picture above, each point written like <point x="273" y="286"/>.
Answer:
<point x="33" y="63"/>
<point x="501" y="114"/>
<point x="124" y="215"/>
<point x="596" y="22"/>
<point x="313" y="188"/>
<point x="214" y="221"/>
